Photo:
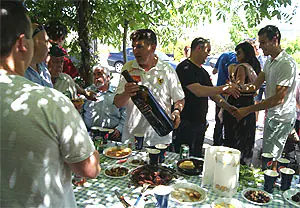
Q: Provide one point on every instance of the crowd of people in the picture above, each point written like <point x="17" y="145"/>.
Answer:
<point x="44" y="132"/>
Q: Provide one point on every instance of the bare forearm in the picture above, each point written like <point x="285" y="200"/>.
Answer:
<point x="220" y="101"/>
<point x="266" y="104"/>
<point x="121" y="100"/>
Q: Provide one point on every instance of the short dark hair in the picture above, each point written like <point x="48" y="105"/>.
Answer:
<point x="271" y="31"/>
<point x="199" y="41"/>
<point x="14" y="22"/>
<point x="144" y="34"/>
<point x="55" y="29"/>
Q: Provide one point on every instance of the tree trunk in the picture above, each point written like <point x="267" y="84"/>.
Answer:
<point x="125" y="40"/>
<point x="83" y="34"/>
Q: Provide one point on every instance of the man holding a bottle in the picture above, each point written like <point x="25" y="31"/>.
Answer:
<point x="160" y="78"/>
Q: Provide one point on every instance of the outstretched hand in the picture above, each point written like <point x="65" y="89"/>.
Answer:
<point x="232" y="89"/>
<point x="241" y="113"/>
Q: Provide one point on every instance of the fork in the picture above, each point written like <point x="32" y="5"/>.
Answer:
<point x="145" y="187"/>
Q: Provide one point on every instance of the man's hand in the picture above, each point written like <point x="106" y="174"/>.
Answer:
<point x="232" y="89"/>
<point x="175" y="116"/>
<point x="241" y="113"/>
<point x="90" y="95"/>
<point x="115" y="134"/>
<point x="131" y="89"/>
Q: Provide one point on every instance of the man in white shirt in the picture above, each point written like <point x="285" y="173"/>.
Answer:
<point x="280" y="75"/>
<point x="43" y="138"/>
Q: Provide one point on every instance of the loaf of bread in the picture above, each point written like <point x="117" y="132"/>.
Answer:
<point x="187" y="164"/>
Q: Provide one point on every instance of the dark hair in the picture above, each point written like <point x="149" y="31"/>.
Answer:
<point x="199" y="41"/>
<point x="14" y="22"/>
<point x="55" y="29"/>
<point x="249" y="55"/>
<point x="144" y="34"/>
<point x="271" y="31"/>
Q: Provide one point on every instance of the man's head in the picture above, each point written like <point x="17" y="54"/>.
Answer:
<point x="57" y="31"/>
<point x="200" y="49"/>
<point x="269" y="39"/>
<point x="41" y="44"/>
<point x="144" y="43"/>
<point x="16" y="42"/>
<point x="56" y="61"/>
<point x="101" y="76"/>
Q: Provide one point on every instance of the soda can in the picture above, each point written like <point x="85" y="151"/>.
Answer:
<point x="98" y="142"/>
<point x="184" y="151"/>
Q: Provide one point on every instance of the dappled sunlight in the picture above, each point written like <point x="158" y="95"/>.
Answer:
<point x="40" y="133"/>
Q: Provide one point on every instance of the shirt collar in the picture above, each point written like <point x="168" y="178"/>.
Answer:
<point x="159" y="62"/>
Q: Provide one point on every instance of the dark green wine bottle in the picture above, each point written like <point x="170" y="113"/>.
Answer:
<point x="150" y="108"/>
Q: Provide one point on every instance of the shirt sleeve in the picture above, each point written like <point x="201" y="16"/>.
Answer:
<point x="122" y="119"/>
<point x="286" y="74"/>
<point x="74" y="142"/>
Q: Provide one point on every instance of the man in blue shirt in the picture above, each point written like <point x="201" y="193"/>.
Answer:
<point x="37" y="71"/>
<point x="221" y="66"/>
<point x="103" y="112"/>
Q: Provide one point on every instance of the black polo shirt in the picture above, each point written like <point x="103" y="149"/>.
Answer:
<point x="195" y="108"/>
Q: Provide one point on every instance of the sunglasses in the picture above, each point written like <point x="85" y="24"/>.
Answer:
<point x="37" y="30"/>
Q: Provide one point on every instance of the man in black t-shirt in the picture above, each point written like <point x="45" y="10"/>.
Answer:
<point x="197" y="87"/>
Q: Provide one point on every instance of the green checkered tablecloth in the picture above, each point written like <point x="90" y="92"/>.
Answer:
<point x="100" y="192"/>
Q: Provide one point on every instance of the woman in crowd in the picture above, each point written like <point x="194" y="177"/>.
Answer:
<point x="241" y="134"/>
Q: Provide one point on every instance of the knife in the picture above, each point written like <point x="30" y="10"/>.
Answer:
<point x="121" y="199"/>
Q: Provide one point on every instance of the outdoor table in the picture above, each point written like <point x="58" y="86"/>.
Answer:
<point x="100" y="192"/>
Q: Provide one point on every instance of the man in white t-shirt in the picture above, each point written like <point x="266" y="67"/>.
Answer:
<point x="43" y="138"/>
<point x="147" y="69"/>
<point x="279" y="73"/>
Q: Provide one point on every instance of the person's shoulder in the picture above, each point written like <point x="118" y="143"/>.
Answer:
<point x="182" y="65"/>
<point x="65" y="76"/>
<point x="128" y="65"/>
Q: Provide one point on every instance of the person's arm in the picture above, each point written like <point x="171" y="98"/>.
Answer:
<point x="89" y="167"/>
<point x="222" y="103"/>
<point x="90" y="95"/>
<point x="175" y="116"/>
<point x="121" y="100"/>
<point x="271" y="102"/>
<point x="255" y="86"/>
<point x="208" y="91"/>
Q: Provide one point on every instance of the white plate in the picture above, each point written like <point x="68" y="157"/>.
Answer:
<point x="190" y="186"/>
<point x="287" y="195"/>
<point x="253" y="202"/>
<point x="117" y="157"/>
<point x="116" y="166"/>
<point x="234" y="202"/>
<point x="129" y="161"/>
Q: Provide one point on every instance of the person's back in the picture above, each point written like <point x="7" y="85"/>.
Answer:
<point x="36" y="144"/>
<point x="222" y="64"/>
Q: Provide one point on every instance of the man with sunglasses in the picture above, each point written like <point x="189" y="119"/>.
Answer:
<point x="279" y="72"/>
<point x="43" y="138"/>
<point x="197" y="87"/>
<point x="37" y="71"/>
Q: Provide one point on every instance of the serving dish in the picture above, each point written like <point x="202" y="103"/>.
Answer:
<point x="258" y="193"/>
<point x="118" y="152"/>
<point x="227" y="203"/>
<point x="137" y="161"/>
<point x="154" y="175"/>
<point x="287" y="195"/>
<point x="197" y="166"/>
<point x="187" y="194"/>
<point x="116" y="171"/>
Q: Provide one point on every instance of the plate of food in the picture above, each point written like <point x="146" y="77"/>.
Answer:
<point x="292" y="196"/>
<point x="116" y="171"/>
<point x="137" y="161"/>
<point x="256" y="196"/>
<point x="187" y="194"/>
<point x="154" y="175"/>
<point x="117" y="152"/>
<point x="191" y="166"/>
<point x="227" y="203"/>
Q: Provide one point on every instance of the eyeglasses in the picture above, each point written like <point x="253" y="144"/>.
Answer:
<point x="37" y="30"/>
